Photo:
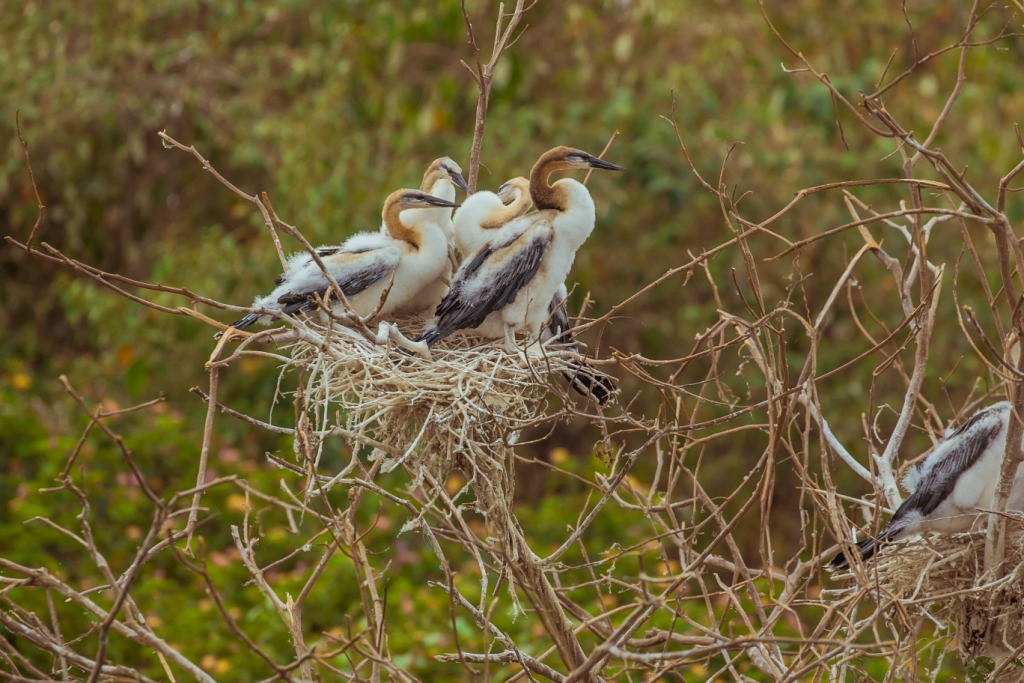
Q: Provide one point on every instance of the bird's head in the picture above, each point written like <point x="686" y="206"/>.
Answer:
<point x="507" y="193"/>
<point x="444" y="168"/>
<point x="417" y="199"/>
<point x="567" y="158"/>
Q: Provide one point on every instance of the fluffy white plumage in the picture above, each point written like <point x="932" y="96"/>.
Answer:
<point x="413" y="254"/>
<point x="440" y="180"/>
<point x="509" y="282"/>
<point x="483" y="212"/>
<point x="956" y="480"/>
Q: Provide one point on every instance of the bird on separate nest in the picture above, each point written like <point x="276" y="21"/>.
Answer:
<point x="951" y="487"/>
<point x="509" y="282"/>
<point x="440" y="180"/>
<point x="408" y="257"/>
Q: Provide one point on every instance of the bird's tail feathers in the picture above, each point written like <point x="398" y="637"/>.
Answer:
<point x="588" y="382"/>
<point x="242" y="323"/>
<point x="868" y="547"/>
<point x="431" y="336"/>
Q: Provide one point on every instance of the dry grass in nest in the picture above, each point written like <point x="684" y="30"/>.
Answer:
<point x="945" y="575"/>
<point x="463" y="409"/>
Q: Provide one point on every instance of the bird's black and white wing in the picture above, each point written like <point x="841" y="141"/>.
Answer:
<point x="933" y="480"/>
<point x="491" y="279"/>
<point x="557" y="326"/>
<point x="584" y="379"/>
<point x="361" y="262"/>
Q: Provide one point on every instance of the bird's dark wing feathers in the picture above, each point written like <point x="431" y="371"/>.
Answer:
<point x="558" y="321"/>
<point x="457" y="311"/>
<point x="359" y="281"/>
<point x="936" y="487"/>
<point x="939" y="483"/>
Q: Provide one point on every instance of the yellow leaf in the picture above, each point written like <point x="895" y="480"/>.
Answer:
<point x="454" y="483"/>
<point x="236" y="502"/>
<point x="222" y="667"/>
<point x="637" y="486"/>
<point x="558" y="455"/>
<point x="21" y="381"/>
<point x="125" y="355"/>
<point x="249" y="365"/>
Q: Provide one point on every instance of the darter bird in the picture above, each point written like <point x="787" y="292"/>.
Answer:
<point x="484" y="212"/>
<point x="408" y="257"/>
<point x="475" y="222"/>
<point x="509" y="282"/>
<point x="440" y="180"/>
<point x="952" y="485"/>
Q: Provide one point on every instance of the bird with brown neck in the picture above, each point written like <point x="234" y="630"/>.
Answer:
<point x="408" y="256"/>
<point x="507" y="284"/>
<point x="484" y="212"/>
<point x="560" y="158"/>
<point x="440" y="180"/>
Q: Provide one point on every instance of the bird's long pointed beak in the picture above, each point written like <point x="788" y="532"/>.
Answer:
<point x="461" y="182"/>
<point x="594" y="162"/>
<point x="437" y="201"/>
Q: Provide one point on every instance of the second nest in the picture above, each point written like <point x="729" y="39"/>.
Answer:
<point x="945" y="573"/>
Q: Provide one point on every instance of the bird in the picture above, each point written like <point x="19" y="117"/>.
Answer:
<point x="952" y="484"/>
<point x="410" y="256"/>
<point x="440" y="180"/>
<point x="484" y="212"/>
<point x="475" y="222"/>
<point x="583" y="379"/>
<point x="508" y="283"/>
<point x="477" y="218"/>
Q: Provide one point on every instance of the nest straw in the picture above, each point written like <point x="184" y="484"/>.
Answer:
<point x="462" y="409"/>
<point x="944" y="575"/>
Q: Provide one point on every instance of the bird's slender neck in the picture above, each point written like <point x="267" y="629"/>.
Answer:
<point x="503" y="214"/>
<point x="546" y="196"/>
<point x="442" y="187"/>
<point x="396" y="228"/>
<point x="430" y="178"/>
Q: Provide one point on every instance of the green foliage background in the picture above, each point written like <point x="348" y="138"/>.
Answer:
<point x="328" y="106"/>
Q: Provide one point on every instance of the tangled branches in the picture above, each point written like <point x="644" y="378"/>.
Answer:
<point x="701" y="584"/>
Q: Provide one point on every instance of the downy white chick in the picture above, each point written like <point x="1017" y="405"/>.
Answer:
<point x="475" y="222"/>
<point x="950" y="486"/>
<point x="412" y="253"/>
<point x="513" y="277"/>
<point x="440" y="180"/>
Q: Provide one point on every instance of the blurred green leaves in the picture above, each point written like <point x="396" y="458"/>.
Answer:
<point x="328" y="106"/>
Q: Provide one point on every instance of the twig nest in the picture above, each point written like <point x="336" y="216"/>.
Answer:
<point x="462" y="409"/>
<point x="945" y="575"/>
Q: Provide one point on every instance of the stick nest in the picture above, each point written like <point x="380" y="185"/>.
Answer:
<point x="463" y="409"/>
<point x="945" y="575"/>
